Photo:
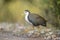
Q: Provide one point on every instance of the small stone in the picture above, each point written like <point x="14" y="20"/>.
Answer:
<point x="47" y="34"/>
<point x="30" y="33"/>
<point x="50" y="33"/>
<point x="54" y="36"/>
<point x="47" y="30"/>
<point x="42" y="32"/>
<point x="47" y="37"/>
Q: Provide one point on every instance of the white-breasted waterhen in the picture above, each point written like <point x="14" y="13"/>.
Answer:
<point x="34" y="19"/>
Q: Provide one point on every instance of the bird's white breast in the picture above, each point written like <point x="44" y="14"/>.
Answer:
<point x="26" y="18"/>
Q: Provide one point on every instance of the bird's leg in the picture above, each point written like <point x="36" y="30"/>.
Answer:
<point x="39" y="28"/>
<point x="32" y="27"/>
<point x="36" y="28"/>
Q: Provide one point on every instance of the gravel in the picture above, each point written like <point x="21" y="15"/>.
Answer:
<point x="15" y="31"/>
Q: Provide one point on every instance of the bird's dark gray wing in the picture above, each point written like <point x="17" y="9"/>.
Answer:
<point x="35" y="19"/>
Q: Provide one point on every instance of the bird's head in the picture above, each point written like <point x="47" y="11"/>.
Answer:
<point x="26" y="11"/>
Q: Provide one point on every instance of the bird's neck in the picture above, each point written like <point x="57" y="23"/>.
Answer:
<point x="27" y="13"/>
<point x="26" y="17"/>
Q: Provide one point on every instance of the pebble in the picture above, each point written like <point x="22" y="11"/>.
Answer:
<point x="30" y="33"/>
<point x="42" y="32"/>
<point x="47" y="30"/>
<point x="50" y="33"/>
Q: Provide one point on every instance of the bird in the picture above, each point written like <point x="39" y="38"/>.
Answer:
<point x="34" y="19"/>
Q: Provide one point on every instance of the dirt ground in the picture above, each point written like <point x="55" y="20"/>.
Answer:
<point x="10" y="36"/>
<point x="12" y="32"/>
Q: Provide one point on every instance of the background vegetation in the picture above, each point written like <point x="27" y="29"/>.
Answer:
<point x="13" y="10"/>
